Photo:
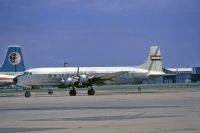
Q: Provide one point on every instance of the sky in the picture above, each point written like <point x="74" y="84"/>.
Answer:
<point x="101" y="32"/>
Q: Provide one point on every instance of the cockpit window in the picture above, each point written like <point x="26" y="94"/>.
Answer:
<point x="27" y="73"/>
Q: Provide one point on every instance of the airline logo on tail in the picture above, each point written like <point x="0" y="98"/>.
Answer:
<point x="14" y="60"/>
<point x="155" y="53"/>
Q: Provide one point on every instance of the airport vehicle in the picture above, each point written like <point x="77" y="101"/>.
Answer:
<point x="12" y="66"/>
<point x="79" y="77"/>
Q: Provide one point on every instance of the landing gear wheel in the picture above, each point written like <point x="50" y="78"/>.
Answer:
<point x="27" y="94"/>
<point x="91" y="92"/>
<point x="50" y="92"/>
<point x="72" y="92"/>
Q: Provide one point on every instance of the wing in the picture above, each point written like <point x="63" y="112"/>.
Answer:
<point x="102" y="79"/>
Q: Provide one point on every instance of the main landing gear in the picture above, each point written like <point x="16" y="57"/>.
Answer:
<point x="91" y="91"/>
<point x="72" y="92"/>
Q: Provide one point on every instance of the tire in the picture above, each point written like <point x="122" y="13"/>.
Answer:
<point x="72" y="92"/>
<point x="27" y="94"/>
<point x="50" y="92"/>
<point x="91" y="92"/>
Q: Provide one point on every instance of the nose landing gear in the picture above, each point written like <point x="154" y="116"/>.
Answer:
<point x="27" y="94"/>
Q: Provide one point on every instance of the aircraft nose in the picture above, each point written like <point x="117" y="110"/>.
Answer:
<point x="15" y="80"/>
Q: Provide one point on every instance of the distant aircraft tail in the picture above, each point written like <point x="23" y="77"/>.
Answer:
<point x="14" y="60"/>
<point x="153" y="62"/>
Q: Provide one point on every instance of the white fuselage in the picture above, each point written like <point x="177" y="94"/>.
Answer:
<point x="53" y="76"/>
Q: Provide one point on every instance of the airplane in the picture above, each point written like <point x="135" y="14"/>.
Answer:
<point x="6" y="80"/>
<point x="12" y="66"/>
<point x="80" y="77"/>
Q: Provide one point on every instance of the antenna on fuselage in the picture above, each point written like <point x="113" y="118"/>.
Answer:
<point x="77" y="72"/>
<point x="66" y="64"/>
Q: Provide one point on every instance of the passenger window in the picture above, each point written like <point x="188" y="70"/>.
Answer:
<point x="27" y="73"/>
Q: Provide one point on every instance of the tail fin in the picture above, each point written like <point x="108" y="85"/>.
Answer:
<point x="14" y="60"/>
<point x="153" y="62"/>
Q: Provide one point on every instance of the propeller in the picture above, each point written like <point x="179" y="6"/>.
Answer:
<point x="77" y="79"/>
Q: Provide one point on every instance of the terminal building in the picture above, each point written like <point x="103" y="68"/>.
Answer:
<point x="177" y="75"/>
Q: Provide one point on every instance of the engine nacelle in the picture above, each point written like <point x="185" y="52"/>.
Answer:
<point x="70" y="81"/>
<point x="83" y="78"/>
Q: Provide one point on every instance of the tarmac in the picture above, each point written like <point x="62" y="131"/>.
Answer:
<point x="161" y="112"/>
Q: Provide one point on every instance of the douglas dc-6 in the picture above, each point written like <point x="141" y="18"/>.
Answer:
<point x="79" y="77"/>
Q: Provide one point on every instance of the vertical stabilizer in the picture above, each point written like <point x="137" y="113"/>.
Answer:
<point x="153" y="62"/>
<point x="14" y="60"/>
